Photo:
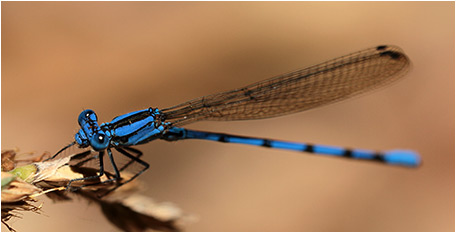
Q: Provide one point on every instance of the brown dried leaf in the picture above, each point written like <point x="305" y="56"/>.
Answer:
<point x="8" y="162"/>
<point x="124" y="207"/>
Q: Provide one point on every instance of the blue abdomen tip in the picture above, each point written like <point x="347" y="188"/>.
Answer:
<point x="402" y="157"/>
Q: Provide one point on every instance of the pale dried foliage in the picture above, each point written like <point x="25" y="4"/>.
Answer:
<point x="125" y="207"/>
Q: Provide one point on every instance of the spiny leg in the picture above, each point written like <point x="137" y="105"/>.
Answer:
<point x="100" y="174"/>
<point x="132" y="150"/>
<point x="116" y="171"/>
<point x="134" y="158"/>
<point x="139" y="153"/>
<point x="116" y="177"/>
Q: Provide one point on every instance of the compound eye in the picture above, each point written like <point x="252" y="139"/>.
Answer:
<point x="101" y="138"/>
<point x="99" y="141"/>
<point x="86" y="115"/>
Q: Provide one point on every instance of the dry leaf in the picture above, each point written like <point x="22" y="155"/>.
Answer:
<point x="124" y="207"/>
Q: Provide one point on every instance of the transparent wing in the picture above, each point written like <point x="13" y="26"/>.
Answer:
<point x="318" y="85"/>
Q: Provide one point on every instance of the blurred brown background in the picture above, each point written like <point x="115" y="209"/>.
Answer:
<point x="59" y="58"/>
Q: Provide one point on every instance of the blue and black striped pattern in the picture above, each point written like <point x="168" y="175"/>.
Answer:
<point x="394" y="157"/>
